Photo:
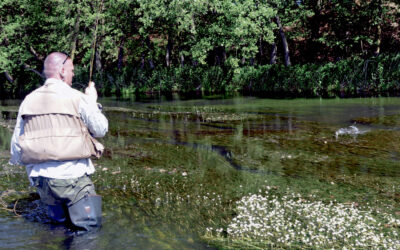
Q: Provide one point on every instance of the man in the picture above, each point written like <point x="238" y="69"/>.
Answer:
<point x="51" y="138"/>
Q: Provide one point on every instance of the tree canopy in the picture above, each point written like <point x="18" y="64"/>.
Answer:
<point x="150" y="34"/>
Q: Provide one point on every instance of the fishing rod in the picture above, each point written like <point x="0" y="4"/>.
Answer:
<point x="94" y="41"/>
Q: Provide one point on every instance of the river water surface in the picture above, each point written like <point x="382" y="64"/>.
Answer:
<point x="174" y="167"/>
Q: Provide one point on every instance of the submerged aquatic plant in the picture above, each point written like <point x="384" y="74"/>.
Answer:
<point x="291" y="220"/>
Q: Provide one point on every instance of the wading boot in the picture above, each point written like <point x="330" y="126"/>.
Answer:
<point x="57" y="213"/>
<point x="86" y="213"/>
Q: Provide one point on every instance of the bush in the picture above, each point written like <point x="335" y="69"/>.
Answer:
<point x="349" y="77"/>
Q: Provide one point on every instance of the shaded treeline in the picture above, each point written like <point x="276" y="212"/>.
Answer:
<point x="314" y="47"/>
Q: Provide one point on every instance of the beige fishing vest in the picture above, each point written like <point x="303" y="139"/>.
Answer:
<point x="53" y="129"/>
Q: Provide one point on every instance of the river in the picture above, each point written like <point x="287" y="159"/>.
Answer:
<point x="174" y="167"/>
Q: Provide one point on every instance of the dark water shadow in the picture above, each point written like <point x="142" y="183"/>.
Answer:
<point x="89" y="240"/>
<point x="225" y="153"/>
<point x="63" y="236"/>
<point x="30" y="208"/>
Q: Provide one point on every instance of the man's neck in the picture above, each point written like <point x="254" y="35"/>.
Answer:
<point x="55" y="80"/>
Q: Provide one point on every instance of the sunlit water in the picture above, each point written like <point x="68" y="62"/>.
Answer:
<point x="245" y="138"/>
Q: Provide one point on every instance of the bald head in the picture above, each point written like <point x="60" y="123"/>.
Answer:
<point x="53" y="64"/>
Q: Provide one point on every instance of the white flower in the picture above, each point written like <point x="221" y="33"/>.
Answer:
<point x="273" y="219"/>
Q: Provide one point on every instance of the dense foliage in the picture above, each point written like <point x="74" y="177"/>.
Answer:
<point x="332" y="47"/>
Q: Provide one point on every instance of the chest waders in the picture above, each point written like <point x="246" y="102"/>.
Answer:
<point x="71" y="201"/>
<point x="84" y="214"/>
<point x="57" y="213"/>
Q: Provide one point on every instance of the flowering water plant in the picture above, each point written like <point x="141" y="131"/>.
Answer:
<point x="266" y="219"/>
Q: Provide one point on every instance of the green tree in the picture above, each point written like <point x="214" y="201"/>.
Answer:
<point x="29" y="29"/>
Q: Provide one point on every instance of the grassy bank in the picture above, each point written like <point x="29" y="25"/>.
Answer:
<point x="375" y="76"/>
<point x="344" y="78"/>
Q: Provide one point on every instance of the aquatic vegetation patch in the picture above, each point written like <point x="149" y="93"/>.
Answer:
<point x="387" y="120"/>
<point x="267" y="219"/>
<point x="182" y="113"/>
<point x="6" y="128"/>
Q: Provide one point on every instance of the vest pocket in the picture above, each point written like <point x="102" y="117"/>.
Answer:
<point x="36" y="149"/>
<point x="95" y="146"/>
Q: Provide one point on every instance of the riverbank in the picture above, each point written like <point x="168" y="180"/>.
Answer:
<point x="355" y="77"/>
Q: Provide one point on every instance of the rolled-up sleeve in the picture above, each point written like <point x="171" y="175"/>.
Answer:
<point x="91" y="115"/>
<point x="15" y="149"/>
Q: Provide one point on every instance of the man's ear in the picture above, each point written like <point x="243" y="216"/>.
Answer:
<point x="61" y="72"/>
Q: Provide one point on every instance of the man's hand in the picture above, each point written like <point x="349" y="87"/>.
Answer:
<point x="91" y="91"/>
